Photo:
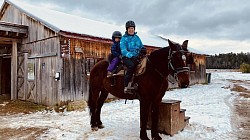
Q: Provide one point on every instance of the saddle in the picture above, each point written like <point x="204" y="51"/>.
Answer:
<point x="141" y="68"/>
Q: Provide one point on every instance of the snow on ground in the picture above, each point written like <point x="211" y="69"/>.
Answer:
<point x="207" y="105"/>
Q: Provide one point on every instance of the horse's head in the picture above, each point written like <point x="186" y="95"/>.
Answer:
<point x="177" y="63"/>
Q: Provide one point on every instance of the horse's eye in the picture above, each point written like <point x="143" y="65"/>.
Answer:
<point x="183" y="57"/>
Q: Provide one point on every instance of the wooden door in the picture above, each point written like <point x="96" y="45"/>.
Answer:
<point x="46" y="85"/>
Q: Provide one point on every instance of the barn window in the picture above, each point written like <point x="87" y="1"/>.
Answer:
<point x="89" y="63"/>
<point x="31" y="69"/>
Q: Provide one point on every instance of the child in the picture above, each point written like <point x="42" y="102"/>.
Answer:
<point x="115" y="52"/>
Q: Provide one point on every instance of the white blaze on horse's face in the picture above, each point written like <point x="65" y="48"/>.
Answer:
<point x="184" y="58"/>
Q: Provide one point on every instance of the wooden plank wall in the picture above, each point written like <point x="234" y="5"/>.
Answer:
<point x="41" y="41"/>
<point x="46" y="88"/>
<point x="76" y="67"/>
<point x="198" y="70"/>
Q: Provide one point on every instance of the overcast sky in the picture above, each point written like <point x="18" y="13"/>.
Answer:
<point x="211" y="26"/>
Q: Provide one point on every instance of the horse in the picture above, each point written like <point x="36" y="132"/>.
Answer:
<point x="152" y="85"/>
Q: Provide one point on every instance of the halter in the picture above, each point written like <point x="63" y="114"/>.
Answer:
<point x="170" y="65"/>
<point x="180" y="69"/>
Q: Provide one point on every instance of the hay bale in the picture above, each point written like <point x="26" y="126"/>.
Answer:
<point x="80" y="105"/>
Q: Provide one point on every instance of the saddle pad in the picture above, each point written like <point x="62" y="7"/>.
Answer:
<point x="141" y="68"/>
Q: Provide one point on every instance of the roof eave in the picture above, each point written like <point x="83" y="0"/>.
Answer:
<point x="84" y="37"/>
<point x="7" y="3"/>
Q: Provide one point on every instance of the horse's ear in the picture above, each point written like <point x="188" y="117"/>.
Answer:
<point x="185" y="44"/>
<point x="170" y="43"/>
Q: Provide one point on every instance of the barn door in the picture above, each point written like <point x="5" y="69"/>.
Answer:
<point x="20" y="77"/>
<point x="47" y="86"/>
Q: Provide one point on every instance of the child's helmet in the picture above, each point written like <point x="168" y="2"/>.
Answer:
<point x="116" y="34"/>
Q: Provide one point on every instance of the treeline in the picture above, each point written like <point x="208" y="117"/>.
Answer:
<point x="228" y="61"/>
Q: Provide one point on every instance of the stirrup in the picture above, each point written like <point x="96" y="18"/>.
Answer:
<point x="130" y="89"/>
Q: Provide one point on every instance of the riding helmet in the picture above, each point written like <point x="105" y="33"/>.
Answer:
<point x="117" y="34"/>
<point x="130" y="23"/>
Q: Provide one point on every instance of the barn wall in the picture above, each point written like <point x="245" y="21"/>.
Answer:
<point x="198" y="70"/>
<point x="39" y="54"/>
<point x="37" y="31"/>
<point x="78" y="59"/>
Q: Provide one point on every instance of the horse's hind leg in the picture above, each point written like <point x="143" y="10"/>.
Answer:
<point x="93" y="99"/>
<point x="102" y="98"/>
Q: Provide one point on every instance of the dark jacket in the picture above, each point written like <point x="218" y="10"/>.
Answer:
<point x="115" y="49"/>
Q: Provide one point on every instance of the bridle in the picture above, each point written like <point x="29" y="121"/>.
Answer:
<point x="178" y="70"/>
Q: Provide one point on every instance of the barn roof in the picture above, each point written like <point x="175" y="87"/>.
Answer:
<point x="63" y="22"/>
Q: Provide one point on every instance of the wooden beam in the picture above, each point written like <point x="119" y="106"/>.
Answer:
<point x="1" y="76"/>
<point x="6" y="39"/>
<point x="43" y="55"/>
<point x="13" y="27"/>
<point x="14" y="71"/>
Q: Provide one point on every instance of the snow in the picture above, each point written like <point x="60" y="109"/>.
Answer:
<point x="207" y="105"/>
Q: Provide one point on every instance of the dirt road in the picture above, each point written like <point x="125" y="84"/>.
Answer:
<point x="240" y="118"/>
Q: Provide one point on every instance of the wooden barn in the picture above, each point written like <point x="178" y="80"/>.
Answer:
<point x="46" y="55"/>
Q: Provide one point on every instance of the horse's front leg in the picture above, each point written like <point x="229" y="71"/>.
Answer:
<point x="102" y="98"/>
<point x="155" y="120"/>
<point x="144" y="111"/>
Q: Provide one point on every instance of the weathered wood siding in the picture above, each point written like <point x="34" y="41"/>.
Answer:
<point x="37" y="31"/>
<point x="198" y="70"/>
<point x="43" y="50"/>
<point x="76" y="66"/>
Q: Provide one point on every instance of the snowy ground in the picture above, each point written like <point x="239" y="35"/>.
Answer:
<point x="209" y="106"/>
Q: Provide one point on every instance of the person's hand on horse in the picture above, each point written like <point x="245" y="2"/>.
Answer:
<point x="143" y="51"/>
<point x="135" y="60"/>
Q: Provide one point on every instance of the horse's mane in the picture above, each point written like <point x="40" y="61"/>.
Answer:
<point x="160" y="53"/>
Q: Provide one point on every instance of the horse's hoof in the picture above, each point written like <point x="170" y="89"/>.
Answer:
<point x="145" y="138"/>
<point x="94" y="128"/>
<point x="157" y="137"/>
<point x="100" y="126"/>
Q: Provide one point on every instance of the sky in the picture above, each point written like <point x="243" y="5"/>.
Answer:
<point x="213" y="27"/>
<point x="213" y="116"/>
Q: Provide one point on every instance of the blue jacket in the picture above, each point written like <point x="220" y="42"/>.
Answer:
<point x="115" y="49"/>
<point x="130" y="45"/>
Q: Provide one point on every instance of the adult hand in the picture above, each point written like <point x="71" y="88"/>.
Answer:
<point x="135" y="60"/>
<point x="143" y="51"/>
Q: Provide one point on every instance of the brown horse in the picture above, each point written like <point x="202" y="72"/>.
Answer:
<point x="152" y="85"/>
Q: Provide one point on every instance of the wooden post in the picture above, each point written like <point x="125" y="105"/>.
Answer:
<point x="1" y="65"/>
<point x="25" y="63"/>
<point x="14" y="71"/>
